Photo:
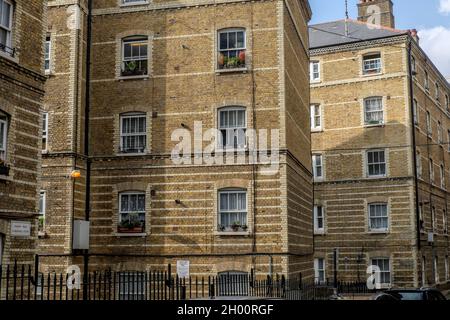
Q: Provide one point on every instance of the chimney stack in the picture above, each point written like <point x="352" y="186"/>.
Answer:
<point x="377" y="12"/>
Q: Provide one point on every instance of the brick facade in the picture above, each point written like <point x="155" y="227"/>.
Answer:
<point x="346" y="191"/>
<point x="21" y="94"/>
<point x="183" y="85"/>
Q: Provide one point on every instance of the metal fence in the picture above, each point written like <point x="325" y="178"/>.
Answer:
<point x="22" y="282"/>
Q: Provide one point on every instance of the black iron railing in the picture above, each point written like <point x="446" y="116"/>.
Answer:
<point x="21" y="282"/>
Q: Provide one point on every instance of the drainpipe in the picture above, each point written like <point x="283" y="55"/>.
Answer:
<point x="86" y="139"/>
<point x="413" y="126"/>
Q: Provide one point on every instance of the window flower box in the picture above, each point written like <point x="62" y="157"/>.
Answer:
<point x="138" y="229"/>
<point x="235" y="227"/>
<point x="134" y="68"/>
<point x="236" y="62"/>
<point x="4" y="169"/>
<point x="131" y="224"/>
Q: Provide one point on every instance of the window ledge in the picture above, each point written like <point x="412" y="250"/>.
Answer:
<point x="376" y="177"/>
<point x="319" y="233"/>
<point x="123" y="78"/>
<point x="129" y="235"/>
<point x="372" y="74"/>
<point x="378" y="231"/>
<point x="315" y="81"/>
<point x="8" y="57"/>
<point x="368" y="125"/>
<point x="316" y="130"/>
<point x="131" y="154"/>
<point x="232" y="233"/>
<point x="131" y="4"/>
<point x="6" y="178"/>
<point x="235" y="70"/>
<point x="42" y="234"/>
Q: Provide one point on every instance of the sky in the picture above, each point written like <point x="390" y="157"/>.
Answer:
<point x="430" y="17"/>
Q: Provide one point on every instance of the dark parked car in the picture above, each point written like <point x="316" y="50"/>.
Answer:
<point x="428" y="294"/>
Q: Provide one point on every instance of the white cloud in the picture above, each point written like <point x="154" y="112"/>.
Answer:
<point x="444" y="7"/>
<point x="435" y="42"/>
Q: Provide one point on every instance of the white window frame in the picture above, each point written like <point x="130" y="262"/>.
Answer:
<point x="384" y="217"/>
<point x="376" y="163"/>
<point x="424" y="272"/>
<point x="433" y="219"/>
<point x="48" y="54"/>
<point x="440" y="135"/>
<point x="134" y="135"/>
<point x="226" y="52"/>
<point x="416" y="112"/>
<point x="389" y="271"/>
<point x="448" y="140"/>
<point x="8" y="28"/>
<point x="436" y="269"/>
<point x="232" y="131"/>
<point x="442" y="175"/>
<point x="429" y="124"/>
<point x="45" y="131"/>
<point x="126" y="212"/>
<point x="316" y="166"/>
<point x="431" y="169"/>
<point x="220" y="211"/>
<point x="427" y="81"/>
<point x="419" y="164"/>
<point x="320" y="273"/>
<point x="446" y="269"/>
<point x="437" y="91"/>
<point x="444" y="222"/>
<point x="42" y="207"/>
<point x="312" y="73"/>
<point x="317" y="229"/>
<point x="134" y="40"/>
<point x="315" y="116"/>
<point x="4" y="149"/>
<point x="413" y="65"/>
<point x="378" y="111"/>
<point x="447" y="103"/>
<point x="372" y="66"/>
<point x="2" y="244"/>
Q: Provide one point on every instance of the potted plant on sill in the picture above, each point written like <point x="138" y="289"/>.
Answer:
<point x="132" y="69"/>
<point x="131" y="225"/>
<point x="236" y="226"/>
<point x="221" y="227"/>
<point x="4" y="168"/>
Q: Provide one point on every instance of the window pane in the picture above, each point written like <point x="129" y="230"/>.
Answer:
<point x="124" y="203"/>
<point x="232" y="40"/>
<point x="240" y="39"/>
<point x="127" y="50"/>
<point x="223" y="41"/>
<point x="223" y="201"/>
<point x="141" y="202"/>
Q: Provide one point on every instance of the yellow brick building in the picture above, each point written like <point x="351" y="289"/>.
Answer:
<point x="379" y="109"/>
<point x="22" y="80"/>
<point x="161" y="66"/>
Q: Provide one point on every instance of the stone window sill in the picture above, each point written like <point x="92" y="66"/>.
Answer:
<point x="130" y="235"/>
<point x="232" y="233"/>
<point x="235" y="70"/>
<point x="132" y="4"/>
<point x="143" y="77"/>
<point x="378" y="231"/>
<point x="8" y="57"/>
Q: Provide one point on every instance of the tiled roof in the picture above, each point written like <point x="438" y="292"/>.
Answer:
<point x="333" y="33"/>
